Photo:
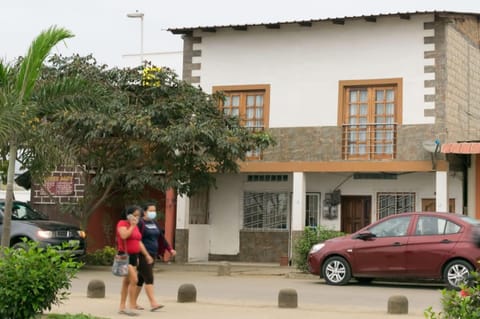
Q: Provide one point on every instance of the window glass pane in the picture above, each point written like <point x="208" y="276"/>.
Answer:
<point x="236" y="100"/>
<point x="353" y="96"/>
<point x="259" y="100"/>
<point x="250" y="113"/>
<point x="250" y="100"/>
<point x="390" y="108"/>
<point x="392" y="228"/>
<point x="380" y="95"/>
<point x="363" y="109"/>
<point x="353" y="120"/>
<point x="362" y="136"/>
<point x="390" y="95"/>
<point x="363" y="96"/>
<point x="362" y="149"/>
<point x="353" y="109"/>
<point x="226" y="101"/>
<point x="235" y="112"/>
<point x="259" y="113"/>
<point x="388" y="149"/>
<point x="379" y="109"/>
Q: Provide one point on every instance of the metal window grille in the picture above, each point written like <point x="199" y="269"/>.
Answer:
<point x="312" y="209"/>
<point x="265" y="210"/>
<point x="394" y="203"/>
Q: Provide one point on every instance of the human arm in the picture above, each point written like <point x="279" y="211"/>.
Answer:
<point x="144" y="251"/>
<point x="125" y="231"/>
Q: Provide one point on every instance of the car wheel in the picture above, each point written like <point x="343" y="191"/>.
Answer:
<point x="336" y="271"/>
<point x="364" y="280"/>
<point x="20" y="245"/>
<point x="456" y="273"/>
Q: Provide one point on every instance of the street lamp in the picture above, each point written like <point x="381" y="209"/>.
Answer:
<point x="139" y="15"/>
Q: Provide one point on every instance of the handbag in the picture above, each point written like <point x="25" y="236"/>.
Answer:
<point x="120" y="263"/>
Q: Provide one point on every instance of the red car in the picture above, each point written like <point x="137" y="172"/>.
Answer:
<point x="409" y="245"/>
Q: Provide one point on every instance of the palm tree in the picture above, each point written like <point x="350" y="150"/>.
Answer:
<point x="19" y="105"/>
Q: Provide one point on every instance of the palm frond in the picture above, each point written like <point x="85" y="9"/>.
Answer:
<point x="31" y="66"/>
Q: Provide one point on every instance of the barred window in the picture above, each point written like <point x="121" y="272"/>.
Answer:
<point x="265" y="210"/>
<point x="394" y="203"/>
<point x="312" y="209"/>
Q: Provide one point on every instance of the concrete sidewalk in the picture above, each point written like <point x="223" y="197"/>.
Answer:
<point x="219" y="308"/>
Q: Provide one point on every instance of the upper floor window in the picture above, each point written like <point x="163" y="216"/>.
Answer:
<point x="250" y="103"/>
<point x="369" y="112"/>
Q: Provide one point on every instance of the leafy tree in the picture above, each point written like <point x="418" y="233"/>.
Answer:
<point x="152" y="131"/>
<point x="27" y="101"/>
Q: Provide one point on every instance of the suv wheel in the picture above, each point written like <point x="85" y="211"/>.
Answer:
<point x="20" y="245"/>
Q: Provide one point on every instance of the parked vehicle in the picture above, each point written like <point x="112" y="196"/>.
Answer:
<point x="35" y="226"/>
<point x="423" y="245"/>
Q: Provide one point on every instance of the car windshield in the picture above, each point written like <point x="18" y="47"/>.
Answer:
<point x="21" y="211"/>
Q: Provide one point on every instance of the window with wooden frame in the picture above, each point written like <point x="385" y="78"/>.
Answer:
<point x="369" y="113"/>
<point x="250" y="103"/>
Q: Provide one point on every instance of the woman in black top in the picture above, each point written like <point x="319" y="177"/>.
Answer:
<point x="154" y="242"/>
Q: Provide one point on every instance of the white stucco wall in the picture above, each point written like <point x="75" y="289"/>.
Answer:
<point x="226" y="210"/>
<point x="303" y="65"/>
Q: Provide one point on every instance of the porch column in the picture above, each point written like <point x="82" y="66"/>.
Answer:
<point x="182" y="231"/>
<point x="183" y="211"/>
<point x="441" y="191"/>
<point x="298" y="201"/>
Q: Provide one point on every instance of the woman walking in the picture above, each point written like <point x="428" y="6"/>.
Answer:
<point x="129" y="240"/>
<point x="155" y="243"/>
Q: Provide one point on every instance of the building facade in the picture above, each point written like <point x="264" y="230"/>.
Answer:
<point x="359" y="108"/>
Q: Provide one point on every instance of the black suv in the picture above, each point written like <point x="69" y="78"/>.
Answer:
<point x="35" y="226"/>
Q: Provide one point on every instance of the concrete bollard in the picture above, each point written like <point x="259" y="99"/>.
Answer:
<point x="287" y="298"/>
<point x="96" y="289"/>
<point x="187" y="293"/>
<point x="398" y="305"/>
<point x="224" y="269"/>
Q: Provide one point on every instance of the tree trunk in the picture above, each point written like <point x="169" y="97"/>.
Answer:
<point x="7" y="213"/>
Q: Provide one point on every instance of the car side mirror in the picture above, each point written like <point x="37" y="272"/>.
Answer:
<point x="364" y="235"/>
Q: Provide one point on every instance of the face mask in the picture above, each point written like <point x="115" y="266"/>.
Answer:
<point x="151" y="215"/>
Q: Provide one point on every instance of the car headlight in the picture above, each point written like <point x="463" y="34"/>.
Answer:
<point x="81" y="233"/>
<point x="316" y="248"/>
<point x="45" y="233"/>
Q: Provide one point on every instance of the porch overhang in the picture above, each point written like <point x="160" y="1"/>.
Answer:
<point x="461" y="148"/>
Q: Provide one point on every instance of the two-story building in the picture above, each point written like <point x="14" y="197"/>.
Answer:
<point x="359" y="107"/>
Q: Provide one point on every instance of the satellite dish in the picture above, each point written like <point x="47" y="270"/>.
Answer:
<point x="431" y="146"/>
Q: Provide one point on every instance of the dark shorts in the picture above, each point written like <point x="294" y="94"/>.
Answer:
<point x="132" y="259"/>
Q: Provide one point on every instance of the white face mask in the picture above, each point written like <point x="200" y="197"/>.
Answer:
<point x="151" y="215"/>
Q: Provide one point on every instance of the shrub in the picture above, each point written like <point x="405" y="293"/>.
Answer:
<point x="101" y="257"/>
<point x="310" y="237"/>
<point x="459" y="304"/>
<point x="33" y="280"/>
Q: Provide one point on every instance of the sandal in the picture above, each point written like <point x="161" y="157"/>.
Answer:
<point x="128" y="313"/>
<point x="139" y="308"/>
<point x="156" y="308"/>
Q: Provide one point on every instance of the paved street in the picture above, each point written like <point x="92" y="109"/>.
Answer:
<point x="251" y="292"/>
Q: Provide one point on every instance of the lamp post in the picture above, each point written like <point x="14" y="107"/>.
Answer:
<point x="139" y="15"/>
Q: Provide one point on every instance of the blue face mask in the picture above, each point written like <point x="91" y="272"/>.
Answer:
<point x="151" y="215"/>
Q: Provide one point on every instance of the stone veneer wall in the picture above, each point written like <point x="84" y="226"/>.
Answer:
<point x="181" y="245"/>
<point x="48" y="203"/>
<point x="462" y="81"/>
<point x="264" y="246"/>
<point x="325" y="143"/>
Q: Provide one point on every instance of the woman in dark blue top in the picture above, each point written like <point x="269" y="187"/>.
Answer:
<point x="155" y="243"/>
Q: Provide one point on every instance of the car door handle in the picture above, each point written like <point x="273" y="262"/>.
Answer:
<point x="397" y="243"/>
<point x="446" y="241"/>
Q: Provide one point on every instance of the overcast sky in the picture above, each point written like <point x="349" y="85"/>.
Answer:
<point x="102" y="28"/>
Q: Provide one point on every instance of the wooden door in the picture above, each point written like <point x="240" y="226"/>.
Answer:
<point x="356" y="213"/>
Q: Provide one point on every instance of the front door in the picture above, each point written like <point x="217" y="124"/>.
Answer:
<point x="356" y="212"/>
